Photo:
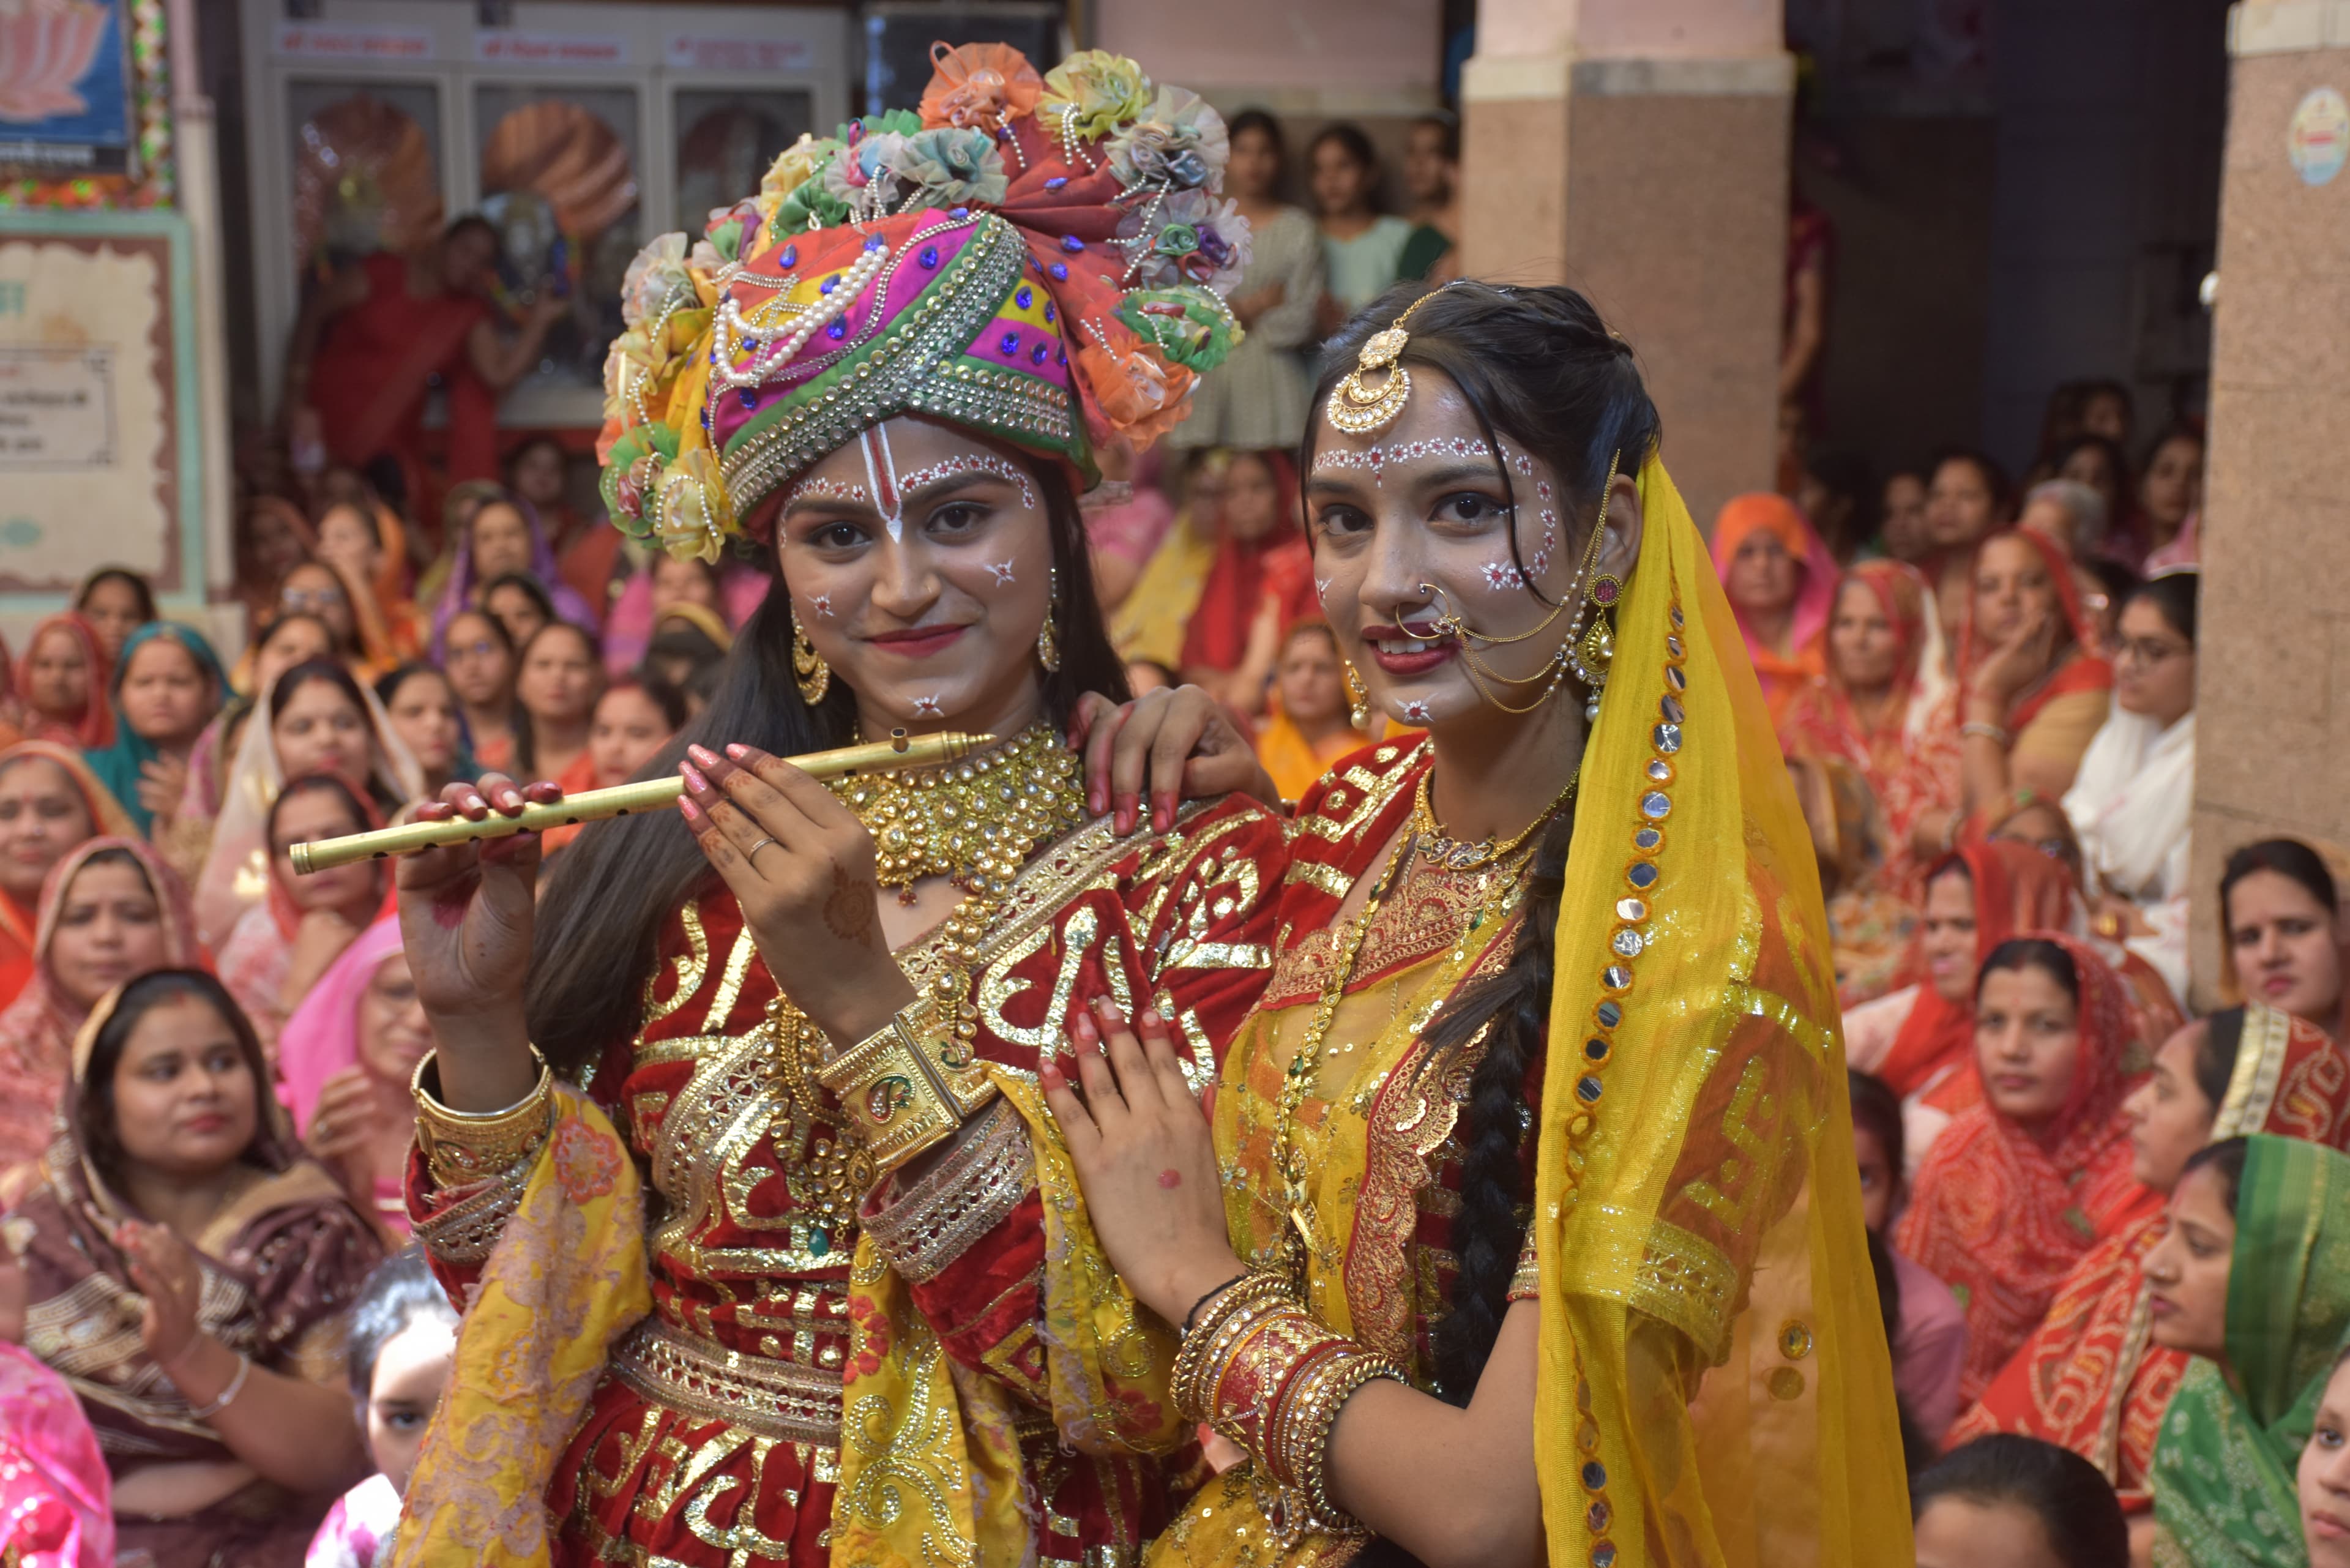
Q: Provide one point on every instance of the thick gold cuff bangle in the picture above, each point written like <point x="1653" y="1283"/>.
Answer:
<point x="462" y="1146"/>
<point x="893" y="1089"/>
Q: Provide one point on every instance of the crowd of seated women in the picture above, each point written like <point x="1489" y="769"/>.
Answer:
<point x="2110" y="1240"/>
<point x="204" y="1058"/>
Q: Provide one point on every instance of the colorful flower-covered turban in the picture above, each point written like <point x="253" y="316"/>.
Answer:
<point x="1044" y="262"/>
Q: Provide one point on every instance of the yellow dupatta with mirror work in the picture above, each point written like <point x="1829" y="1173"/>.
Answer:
<point x="1713" y="1385"/>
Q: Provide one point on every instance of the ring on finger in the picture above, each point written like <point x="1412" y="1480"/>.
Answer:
<point x="753" y="855"/>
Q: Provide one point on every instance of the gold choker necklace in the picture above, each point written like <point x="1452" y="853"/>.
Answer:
<point x="1454" y="856"/>
<point x="976" y="821"/>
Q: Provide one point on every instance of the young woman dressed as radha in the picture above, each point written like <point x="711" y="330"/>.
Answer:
<point x="812" y="1017"/>
<point x="1564" y="957"/>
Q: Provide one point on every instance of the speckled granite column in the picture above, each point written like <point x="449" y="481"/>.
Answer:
<point x="2272" y="730"/>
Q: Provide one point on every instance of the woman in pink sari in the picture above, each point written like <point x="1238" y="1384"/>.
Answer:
<point x="346" y="1058"/>
<point x="56" y="1498"/>
<point x="111" y="909"/>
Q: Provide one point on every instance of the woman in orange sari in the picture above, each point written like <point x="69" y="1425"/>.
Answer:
<point x="1308" y="727"/>
<point x="365" y="543"/>
<point x="2089" y="1379"/>
<point x="1782" y="584"/>
<point x="50" y="803"/>
<point x="1921" y="1039"/>
<point x="2033" y="694"/>
<point x="2020" y="1187"/>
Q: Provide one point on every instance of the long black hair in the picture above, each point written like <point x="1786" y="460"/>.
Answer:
<point x="602" y="915"/>
<point x="1539" y="366"/>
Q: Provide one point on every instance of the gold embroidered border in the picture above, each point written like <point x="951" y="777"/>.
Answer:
<point x="779" y="1399"/>
<point x="1655" y="1267"/>
<point x="970" y="1193"/>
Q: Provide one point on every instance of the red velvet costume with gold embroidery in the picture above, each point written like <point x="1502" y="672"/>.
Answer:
<point x="713" y="1436"/>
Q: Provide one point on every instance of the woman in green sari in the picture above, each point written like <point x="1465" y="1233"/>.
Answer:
<point x="2259" y="1230"/>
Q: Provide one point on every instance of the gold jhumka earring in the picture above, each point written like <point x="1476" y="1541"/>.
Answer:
<point x="814" y="675"/>
<point x="1358" y="698"/>
<point x="1048" y="647"/>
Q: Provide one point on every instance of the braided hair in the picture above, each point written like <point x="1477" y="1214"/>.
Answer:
<point x="1539" y="366"/>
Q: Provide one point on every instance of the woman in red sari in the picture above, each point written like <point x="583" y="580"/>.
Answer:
<point x="1921" y="1039"/>
<point x="63" y="680"/>
<point x="1235" y="634"/>
<point x="1782" y="584"/>
<point x="1885" y="705"/>
<point x="2033" y="694"/>
<point x="2020" y="1187"/>
<point x="368" y="343"/>
<point x="2089" y="1379"/>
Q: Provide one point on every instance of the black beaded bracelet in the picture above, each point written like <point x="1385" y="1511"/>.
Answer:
<point x="1192" y="1316"/>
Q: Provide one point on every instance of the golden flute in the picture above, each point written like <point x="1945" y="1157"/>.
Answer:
<point x="899" y="751"/>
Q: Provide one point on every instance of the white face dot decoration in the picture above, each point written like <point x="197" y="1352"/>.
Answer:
<point x="1003" y="570"/>
<point x="928" y="707"/>
<point x="1501" y="576"/>
<point x="972" y="462"/>
<point x="1416" y="711"/>
<point x="822" y="605"/>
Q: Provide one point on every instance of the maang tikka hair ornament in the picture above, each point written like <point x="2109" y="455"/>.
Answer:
<point x="1585" y="654"/>
<point x="1357" y="408"/>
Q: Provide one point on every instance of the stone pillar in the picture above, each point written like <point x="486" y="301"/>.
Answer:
<point x="1637" y="149"/>
<point x="2272" y="735"/>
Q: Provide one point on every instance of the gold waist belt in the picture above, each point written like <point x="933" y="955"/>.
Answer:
<point x="773" y="1398"/>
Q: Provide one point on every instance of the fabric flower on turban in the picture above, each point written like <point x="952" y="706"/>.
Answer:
<point x="1188" y="327"/>
<point x="793" y="167"/>
<point x="665" y="304"/>
<point x="1094" y="92"/>
<point x="1140" y="398"/>
<point x="632" y="473"/>
<point x="729" y="231"/>
<point x="978" y="86"/>
<point x="1189" y="238"/>
<point x="1179" y="144"/>
<point x="951" y="168"/>
<point x="658" y="277"/>
<point x="696" y="516"/>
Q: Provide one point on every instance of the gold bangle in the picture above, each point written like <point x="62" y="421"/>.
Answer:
<point x="464" y="1147"/>
<point x="1298" y="1439"/>
<point x="892" y="1091"/>
<point x="1223" y="1322"/>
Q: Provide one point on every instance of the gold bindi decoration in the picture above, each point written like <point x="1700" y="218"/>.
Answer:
<point x="1358" y="410"/>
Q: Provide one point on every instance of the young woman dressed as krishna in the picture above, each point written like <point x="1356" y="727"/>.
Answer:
<point x="734" y="1143"/>
<point x="1527" y="1229"/>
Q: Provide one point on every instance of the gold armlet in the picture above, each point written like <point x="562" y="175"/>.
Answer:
<point x="1259" y="1368"/>
<point x="896" y="1087"/>
<point x="462" y="1146"/>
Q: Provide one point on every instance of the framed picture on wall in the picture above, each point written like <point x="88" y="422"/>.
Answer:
<point x="68" y="107"/>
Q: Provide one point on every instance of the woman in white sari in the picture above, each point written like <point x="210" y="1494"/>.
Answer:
<point x="2132" y="804"/>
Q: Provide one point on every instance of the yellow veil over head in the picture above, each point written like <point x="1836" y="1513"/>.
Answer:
<point x="1714" y="1384"/>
